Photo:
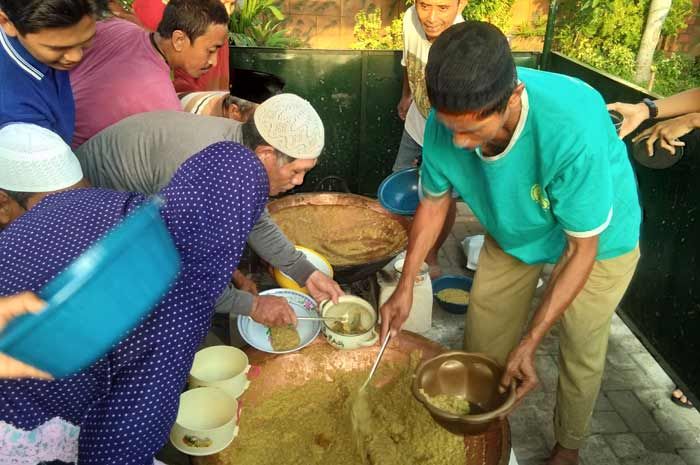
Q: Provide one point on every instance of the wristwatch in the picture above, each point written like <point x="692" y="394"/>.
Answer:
<point x="653" y="109"/>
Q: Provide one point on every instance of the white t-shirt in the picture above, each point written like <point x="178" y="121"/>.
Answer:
<point x="199" y="102"/>
<point x="415" y="56"/>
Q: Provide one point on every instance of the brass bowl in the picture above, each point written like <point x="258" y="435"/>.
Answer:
<point x="476" y="377"/>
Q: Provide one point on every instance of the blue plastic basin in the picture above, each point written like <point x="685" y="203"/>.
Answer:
<point x="452" y="282"/>
<point x="98" y="298"/>
<point x="398" y="193"/>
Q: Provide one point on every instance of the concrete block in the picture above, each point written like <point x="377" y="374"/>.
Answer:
<point x="653" y="398"/>
<point x="654" y="370"/>
<point x="670" y="420"/>
<point x="608" y="423"/>
<point x="549" y="345"/>
<point x="618" y="360"/>
<point x="633" y="412"/>
<point x="625" y="445"/>
<point x="595" y="451"/>
<point x="657" y="442"/>
<point x="547" y="371"/>
<point x="685" y="439"/>
<point x="618" y="327"/>
<point x="623" y="380"/>
<point x="654" y="458"/>
<point x="627" y="343"/>
<point x="603" y="404"/>
<point x="690" y="456"/>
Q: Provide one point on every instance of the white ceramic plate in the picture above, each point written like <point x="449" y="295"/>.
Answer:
<point x="258" y="335"/>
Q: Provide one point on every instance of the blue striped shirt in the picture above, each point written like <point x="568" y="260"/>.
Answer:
<point x="33" y="92"/>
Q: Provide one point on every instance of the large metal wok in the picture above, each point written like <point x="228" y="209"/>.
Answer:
<point x="291" y="370"/>
<point x="347" y="273"/>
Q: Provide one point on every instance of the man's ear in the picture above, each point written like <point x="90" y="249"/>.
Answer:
<point x="517" y="93"/>
<point x="7" y="25"/>
<point x="265" y="153"/>
<point x="9" y="209"/>
<point x="179" y="40"/>
<point x="235" y="113"/>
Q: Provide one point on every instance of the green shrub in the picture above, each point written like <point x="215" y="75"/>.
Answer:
<point x="369" y="33"/>
<point x="496" y="12"/>
<point x="675" y="73"/>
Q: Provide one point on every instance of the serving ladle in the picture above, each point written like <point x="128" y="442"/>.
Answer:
<point x="379" y="359"/>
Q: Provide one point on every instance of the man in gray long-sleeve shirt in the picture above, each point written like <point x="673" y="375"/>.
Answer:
<point x="141" y="153"/>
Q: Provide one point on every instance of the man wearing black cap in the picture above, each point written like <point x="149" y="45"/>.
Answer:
<point x="249" y="89"/>
<point x="536" y="157"/>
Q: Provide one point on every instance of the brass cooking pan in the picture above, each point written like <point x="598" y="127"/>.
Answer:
<point x="353" y="269"/>
<point x="491" y="447"/>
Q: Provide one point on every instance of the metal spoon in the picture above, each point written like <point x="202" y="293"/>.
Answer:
<point x="379" y="358"/>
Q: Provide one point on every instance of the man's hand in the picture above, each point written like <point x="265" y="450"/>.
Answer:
<point x="244" y="283"/>
<point x="272" y="311"/>
<point x="321" y="287"/>
<point x="520" y="367"/>
<point x="633" y="114"/>
<point x="395" y="311"/>
<point x="12" y="307"/>
<point x="668" y="132"/>
<point x="403" y="106"/>
<point x="16" y="305"/>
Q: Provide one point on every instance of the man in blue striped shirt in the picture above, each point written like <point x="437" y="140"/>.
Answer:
<point x="40" y="40"/>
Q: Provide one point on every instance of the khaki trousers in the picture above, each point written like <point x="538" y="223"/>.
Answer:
<point x="499" y="307"/>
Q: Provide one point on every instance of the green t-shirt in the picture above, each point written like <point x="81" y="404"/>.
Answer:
<point x="565" y="171"/>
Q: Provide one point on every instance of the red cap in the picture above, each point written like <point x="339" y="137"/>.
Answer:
<point x="149" y="12"/>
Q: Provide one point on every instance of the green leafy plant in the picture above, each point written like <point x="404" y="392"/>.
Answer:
<point x="369" y="33"/>
<point x="606" y="34"/>
<point x="675" y="73"/>
<point x="677" y="17"/>
<point x="496" y="12"/>
<point x="260" y="23"/>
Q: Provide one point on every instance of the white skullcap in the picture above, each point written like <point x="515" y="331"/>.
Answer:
<point x="291" y="125"/>
<point x="34" y="159"/>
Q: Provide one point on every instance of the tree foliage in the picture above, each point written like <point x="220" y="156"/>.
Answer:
<point x="606" y="34"/>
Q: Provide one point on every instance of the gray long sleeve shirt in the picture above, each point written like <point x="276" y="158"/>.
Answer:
<point x="141" y="153"/>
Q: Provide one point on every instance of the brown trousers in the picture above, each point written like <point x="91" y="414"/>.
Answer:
<point x="500" y="303"/>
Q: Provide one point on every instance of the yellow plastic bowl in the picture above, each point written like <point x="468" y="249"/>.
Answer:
<point x="316" y="259"/>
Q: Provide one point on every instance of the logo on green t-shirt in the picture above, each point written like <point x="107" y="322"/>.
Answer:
<point x="539" y="197"/>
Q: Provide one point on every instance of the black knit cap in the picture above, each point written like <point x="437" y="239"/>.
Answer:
<point x="254" y="86"/>
<point x="470" y="69"/>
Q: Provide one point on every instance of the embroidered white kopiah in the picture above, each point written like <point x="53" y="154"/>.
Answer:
<point x="291" y="125"/>
<point x="54" y="440"/>
<point x="34" y="159"/>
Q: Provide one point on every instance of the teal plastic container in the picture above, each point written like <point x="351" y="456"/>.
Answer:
<point x="398" y="193"/>
<point x="452" y="282"/>
<point x="99" y="297"/>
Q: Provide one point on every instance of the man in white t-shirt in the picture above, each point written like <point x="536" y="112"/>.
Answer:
<point x="422" y="24"/>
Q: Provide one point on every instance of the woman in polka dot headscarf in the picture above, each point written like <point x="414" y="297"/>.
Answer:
<point x="119" y="410"/>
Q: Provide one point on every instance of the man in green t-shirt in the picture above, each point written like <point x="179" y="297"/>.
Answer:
<point x="536" y="157"/>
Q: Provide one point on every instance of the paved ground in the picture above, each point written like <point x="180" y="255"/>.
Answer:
<point x="634" y="422"/>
